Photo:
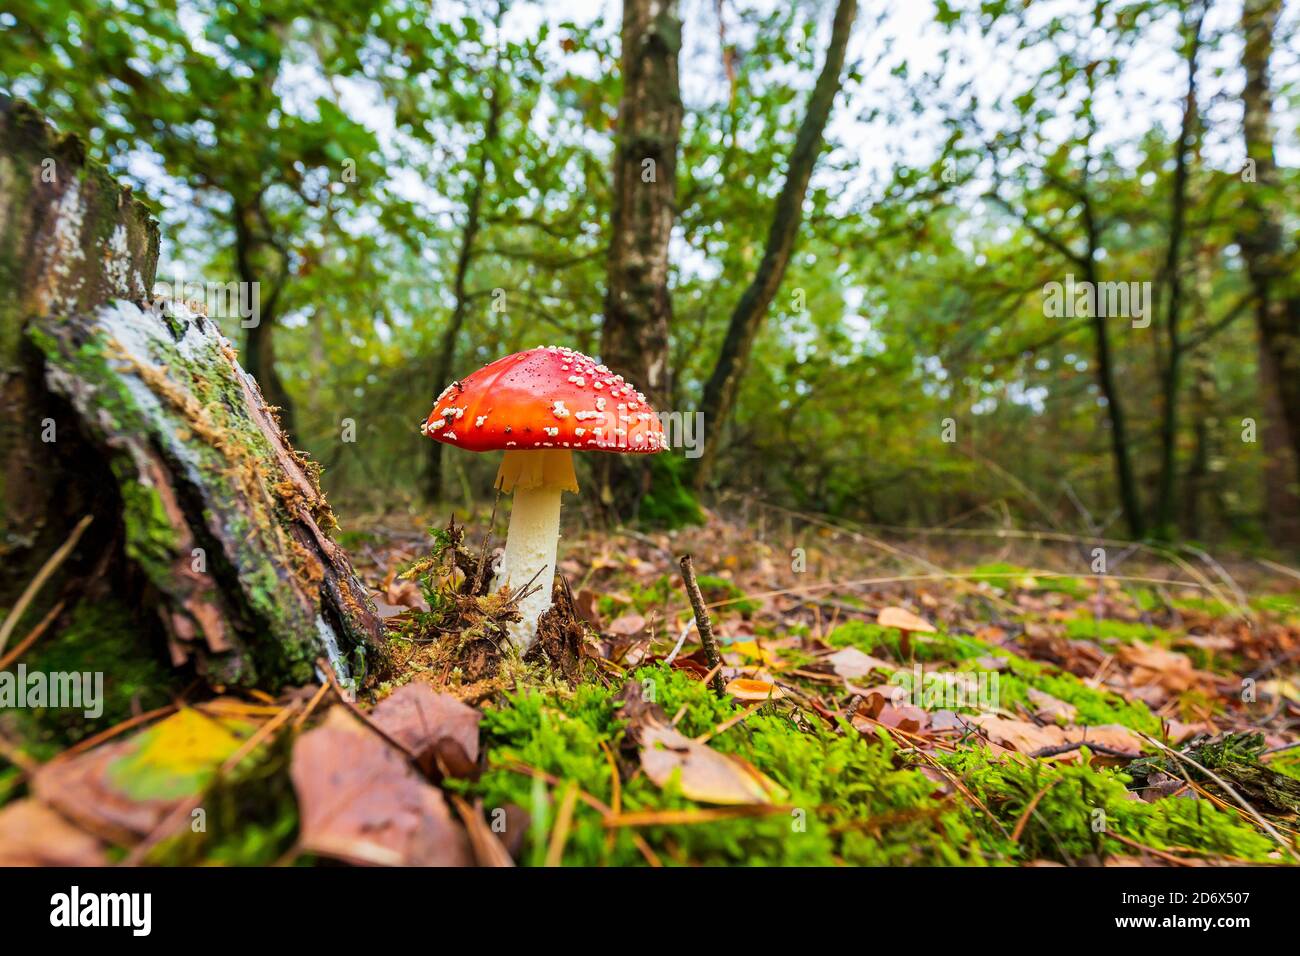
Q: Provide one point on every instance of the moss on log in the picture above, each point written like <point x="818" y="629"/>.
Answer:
<point x="139" y="413"/>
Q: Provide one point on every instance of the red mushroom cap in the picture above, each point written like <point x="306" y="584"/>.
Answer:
<point x="546" y="397"/>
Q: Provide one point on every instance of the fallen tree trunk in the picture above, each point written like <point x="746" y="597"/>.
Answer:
<point x="206" y="522"/>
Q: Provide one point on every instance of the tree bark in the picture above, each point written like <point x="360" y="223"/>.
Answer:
<point x="259" y="336"/>
<point x="747" y="318"/>
<point x="1130" y="501"/>
<point x="1172" y="378"/>
<point x="1268" y="262"/>
<point x="138" y="414"/>
<point x="638" y="305"/>
<point x="446" y="359"/>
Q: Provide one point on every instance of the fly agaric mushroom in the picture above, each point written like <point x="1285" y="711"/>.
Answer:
<point x="539" y="407"/>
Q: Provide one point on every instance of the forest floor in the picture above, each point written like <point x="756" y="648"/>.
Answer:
<point x="964" y="698"/>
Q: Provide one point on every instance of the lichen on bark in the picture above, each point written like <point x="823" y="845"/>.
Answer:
<point x="161" y="435"/>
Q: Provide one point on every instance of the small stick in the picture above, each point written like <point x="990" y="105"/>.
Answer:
<point x="359" y="714"/>
<point x="730" y="722"/>
<point x="702" y="622"/>
<point x="311" y="706"/>
<point x="563" y="824"/>
<point x="1024" y="817"/>
<point x="1095" y="747"/>
<point x="35" y="635"/>
<point x="44" y="574"/>
<point x="487" y="536"/>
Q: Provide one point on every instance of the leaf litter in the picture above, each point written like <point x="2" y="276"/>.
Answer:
<point x="858" y="725"/>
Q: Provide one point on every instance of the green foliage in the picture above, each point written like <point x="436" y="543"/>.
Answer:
<point x="666" y="590"/>
<point x="715" y="590"/>
<point x="669" y="503"/>
<point x="247" y="122"/>
<point x="1006" y="575"/>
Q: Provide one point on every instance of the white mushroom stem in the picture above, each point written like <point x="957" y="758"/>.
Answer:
<point x="538" y="479"/>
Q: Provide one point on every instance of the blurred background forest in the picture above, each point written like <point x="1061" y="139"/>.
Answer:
<point x="421" y="187"/>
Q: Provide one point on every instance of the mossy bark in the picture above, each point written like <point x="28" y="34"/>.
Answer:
<point x="638" y="304"/>
<point x="139" y="413"/>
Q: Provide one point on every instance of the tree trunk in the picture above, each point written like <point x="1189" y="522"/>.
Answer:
<point x="1130" y="502"/>
<point x="1172" y="378"/>
<point x="259" y="332"/>
<point x="747" y="318"/>
<point x="138" y="415"/>
<point x="1268" y="263"/>
<point x="638" y="305"/>
<point x="446" y="359"/>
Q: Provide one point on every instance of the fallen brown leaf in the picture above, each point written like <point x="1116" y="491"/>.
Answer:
<point x="359" y="800"/>
<point x="851" y="663"/>
<point x="1047" y="707"/>
<point x="31" y="834"/>
<point x="627" y="625"/>
<point x="441" y="731"/>
<point x="705" y="774"/>
<point x="1028" y="738"/>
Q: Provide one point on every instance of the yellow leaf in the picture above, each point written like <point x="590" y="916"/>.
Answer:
<point x="751" y="650"/>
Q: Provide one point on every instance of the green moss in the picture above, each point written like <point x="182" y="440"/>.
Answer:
<point x="715" y="590"/>
<point x="667" y="589"/>
<point x="102" y="636"/>
<point x="872" y="638"/>
<point x="1283" y="605"/>
<point x="1088" y="627"/>
<point x="1288" y="763"/>
<point x="151" y="539"/>
<point x="1083" y="807"/>
<point x="844" y="788"/>
<point x="1094" y="706"/>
